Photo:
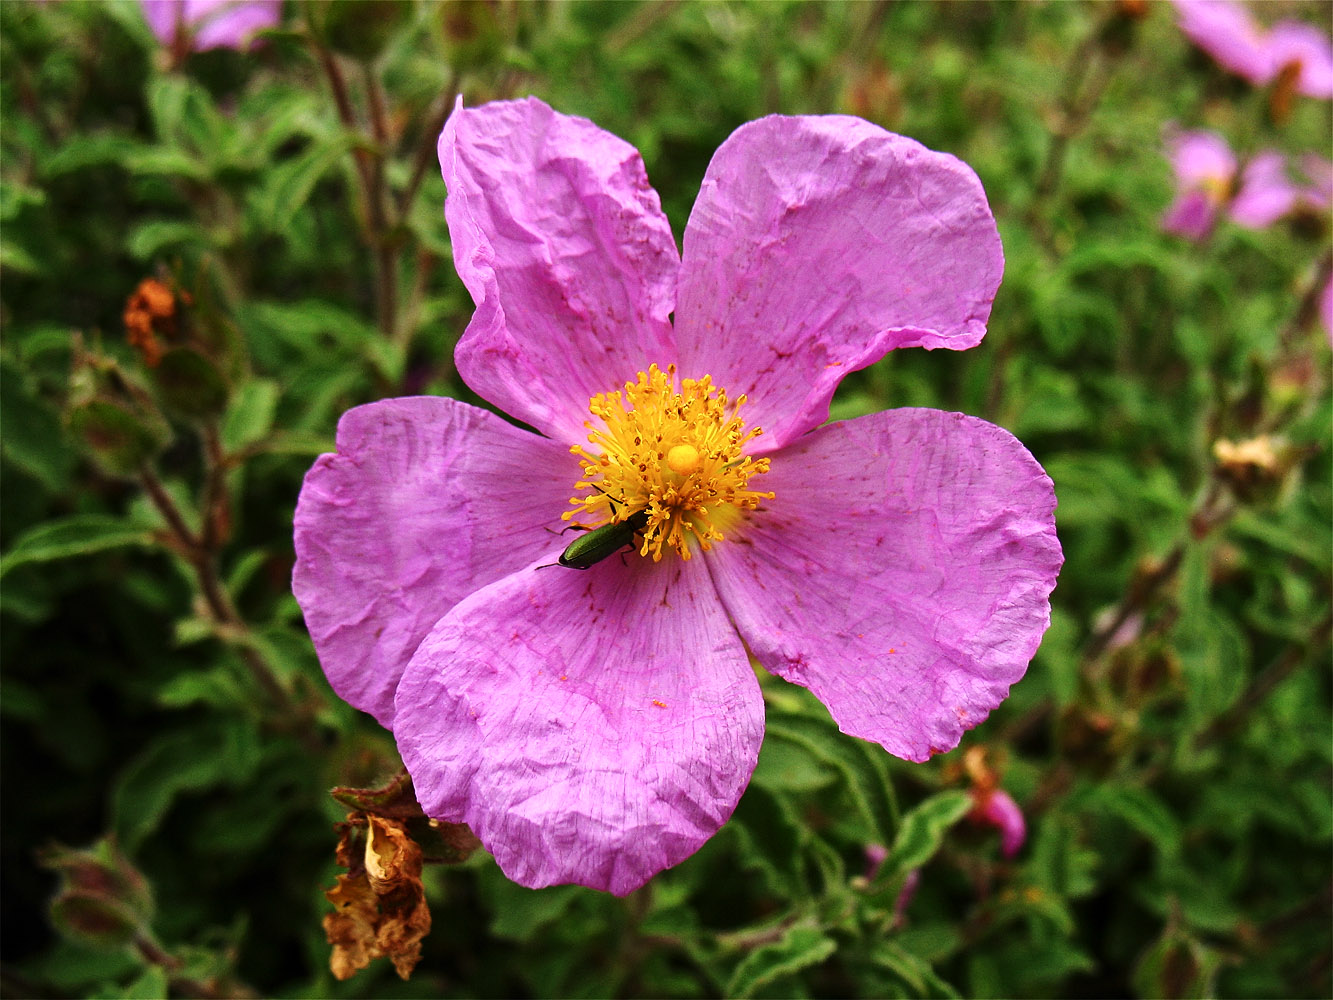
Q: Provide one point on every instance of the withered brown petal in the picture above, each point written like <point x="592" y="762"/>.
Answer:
<point x="382" y="907"/>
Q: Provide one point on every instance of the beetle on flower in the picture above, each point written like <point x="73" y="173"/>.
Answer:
<point x="597" y="727"/>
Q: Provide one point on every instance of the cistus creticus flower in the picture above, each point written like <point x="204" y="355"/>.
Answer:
<point x="1227" y="31"/>
<point x="196" y="25"/>
<point x="1207" y="185"/>
<point x="598" y="726"/>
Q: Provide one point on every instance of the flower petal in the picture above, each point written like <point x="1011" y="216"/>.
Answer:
<point x="1304" y="44"/>
<point x="1266" y="193"/>
<point x="1201" y="159"/>
<point x="566" y="252"/>
<point x="1227" y="32"/>
<point x="231" y="23"/>
<point x="815" y="246"/>
<point x="901" y="573"/>
<point x="1192" y="215"/>
<point x="426" y="500"/>
<point x="591" y="727"/>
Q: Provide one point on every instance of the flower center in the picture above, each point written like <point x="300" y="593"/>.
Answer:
<point x="675" y="453"/>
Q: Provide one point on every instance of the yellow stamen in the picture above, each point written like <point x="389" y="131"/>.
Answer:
<point x="676" y="453"/>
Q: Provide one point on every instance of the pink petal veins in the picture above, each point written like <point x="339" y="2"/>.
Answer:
<point x="816" y="245"/>
<point x="425" y="501"/>
<point x="590" y="727"/>
<point x="902" y="573"/>
<point x="567" y="254"/>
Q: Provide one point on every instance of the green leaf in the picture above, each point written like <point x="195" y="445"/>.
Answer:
<point x="159" y="161"/>
<point x="32" y="439"/>
<point x="223" y="754"/>
<point x="915" y="973"/>
<point x="921" y="833"/>
<point x="800" y="948"/>
<point x="78" y="535"/>
<point x="863" y="766"/>
<point x="154" y="237"/>
<point x="250" y="415"/>
<point x="151" y="984"/>
<point x="288" y="186"/>
<point x="520" y="913"/>
<point x="1141" y="808"/>
<point x="217" y="686"/>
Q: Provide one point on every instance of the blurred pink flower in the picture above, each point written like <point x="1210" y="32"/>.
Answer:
<point x="875" y="856"/>
<point x="598" y="726"/>
<point x="1305" y="51"/>
<point x="1207" y="186"/>
<point x="1205" y="169"/>
<point x="196" y="25"/>
<point x="904" y="898"/>
<point x="994" y="806"/>
<point x="1227" y="31"/>
<point x="1265" y="193"/>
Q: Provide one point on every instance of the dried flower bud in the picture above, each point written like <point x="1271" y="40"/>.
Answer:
<point x="1257" y="468"/>
<point x="150" y="317"/>
<point x="381" y="902"/>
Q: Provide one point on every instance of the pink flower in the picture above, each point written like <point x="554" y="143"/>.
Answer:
<point x="1303" y="50"/>
<point x="1207" y="185"/>
<point x="598" y="726"/>
<point x="997" y="808"/>
<point x="210" y="24"/>
<point x="1265" y="193"/>
<point x="1205" y="169"/>
<point x="1227" y="32"/>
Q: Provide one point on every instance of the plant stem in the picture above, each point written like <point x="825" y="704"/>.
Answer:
<point x="203" y="562"/>
<point x="426" y="150"/>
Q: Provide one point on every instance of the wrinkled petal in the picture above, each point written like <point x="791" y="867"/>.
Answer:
<point x="426" y="500"/>
<point x="567" y="254"/>
<point x="1266" y="194"/>
<point x="902" y="573"/>
<point x="592" y="727"/>
<point x="1294" y="42"/>
<point x="815" y="246"/>
<point x="1226" y="31"/>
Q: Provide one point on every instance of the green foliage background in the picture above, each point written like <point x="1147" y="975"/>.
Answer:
<point x="1176" y="780"/>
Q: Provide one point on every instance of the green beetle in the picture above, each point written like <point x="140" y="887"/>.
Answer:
<point x="587" y="550"/>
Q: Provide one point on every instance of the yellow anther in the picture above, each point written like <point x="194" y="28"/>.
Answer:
<point x="675" y="453"/>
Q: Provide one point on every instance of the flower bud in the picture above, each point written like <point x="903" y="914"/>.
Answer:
<point x="475" y="32"/>
<point x="102" y="899"/>
<point x="111" y="417"/>
<point x="361" y="29"/>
